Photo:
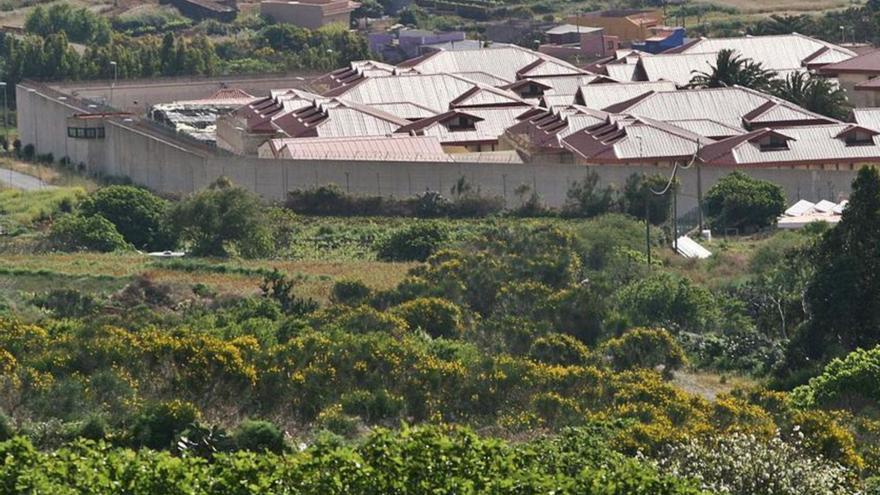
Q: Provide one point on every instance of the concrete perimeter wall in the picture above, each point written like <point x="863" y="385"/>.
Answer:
<point x="169" y="165"/>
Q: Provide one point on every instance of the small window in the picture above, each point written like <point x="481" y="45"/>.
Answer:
<point x="80" y="132"/>
<point x="461" y="123"/>
<point x="773" y="143"/>
<point x="100" y="133"/>
<point x="91" y="133"/>
<point x="859" y="138"/>
<point x="71" y="132"/>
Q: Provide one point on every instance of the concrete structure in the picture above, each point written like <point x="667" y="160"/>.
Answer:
<point x="309" y="14"/>
<point x="578" y="43"/>
<point x="627" y="25"/>
<point x="156" y="159"/>
<point x="409" y="43"/>
<point x="662" y="39"/>
<point x="859" y="77"/>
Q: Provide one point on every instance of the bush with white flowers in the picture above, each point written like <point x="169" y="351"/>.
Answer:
<point x="743" y="464"/>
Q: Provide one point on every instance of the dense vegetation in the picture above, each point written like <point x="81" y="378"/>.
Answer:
<point x="551" y="337"/>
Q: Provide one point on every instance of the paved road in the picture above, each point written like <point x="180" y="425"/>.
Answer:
<point x="18" y="180"/>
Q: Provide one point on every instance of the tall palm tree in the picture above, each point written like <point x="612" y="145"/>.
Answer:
<point x="731" y="69"/>
<point x="815" y="94"/>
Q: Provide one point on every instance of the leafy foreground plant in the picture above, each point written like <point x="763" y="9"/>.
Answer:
<point x="413" y="461"/>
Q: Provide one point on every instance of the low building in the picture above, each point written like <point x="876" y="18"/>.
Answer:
<point x="198" y="118"/>
<point x="859" y="77"/>
<point x="662" y="39"/>
<point x="627" y="25"/>
<point x="397" y="148"/>
<point x="403" y="44"/>
<point x="221" y="10"/>
<point x="578" y="43"/>
<point x="309" y="14"/>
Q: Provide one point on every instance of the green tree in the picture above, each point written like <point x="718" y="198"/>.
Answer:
<point x="585" y="198"/>
<point x="731" y="69"/>
<point x="414" y="243"/>
<point x="640" y="188"/>
<point x="742" y="202"/>
<point x="137" y="214"/>
<point x="82" y="233"/>
<point x="669" y="301"/>
<point x="259" y="436"/>
<point x="843" y="296"/>
<point x="816" y="94"/>
<point x="223" y="220"/>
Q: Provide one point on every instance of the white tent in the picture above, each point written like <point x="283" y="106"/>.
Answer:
<point x="689" y="248"/>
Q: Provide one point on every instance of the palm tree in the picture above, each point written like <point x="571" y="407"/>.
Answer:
<point x="733" y="70"/>
<point x="813" y="93"/>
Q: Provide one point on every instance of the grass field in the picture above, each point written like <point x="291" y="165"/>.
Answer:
<point x="106" y="273"/>
<point x="782" y="6"/>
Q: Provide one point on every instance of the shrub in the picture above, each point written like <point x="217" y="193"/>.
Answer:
<point x="365" y="319"/>
<point x="414" y="243"/>
<point x="437" y="317"/>
<point x="138" y="214"/>
<point x="585" y="198"/>
<point x="333" y="419"/>
<point x="94" y="428"/>
<point x="81" y="233"/>
<point x="259" y="436"/>
<point x="670" y="301"/>
<point x="157" y="425"/>
<point x="372" y="405"/>
<point x="67" y="303"/>
<point x="350" y="292"/>
<point x="741" y="464"/>
<point x="852" y="382"/>
<point x="742" y="202"/>
<point x="6" y="429"/>
<point x="223" y="220"/>
<point x="559" y="349"/>
<point x="644" y="348"/>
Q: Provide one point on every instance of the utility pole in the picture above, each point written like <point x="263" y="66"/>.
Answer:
<point x="700" y="197"/>
<point x="648" y="222"/>
<point x="113" y="86"/>
<point x="5" y="118"/>
<point x="674" y="217"/>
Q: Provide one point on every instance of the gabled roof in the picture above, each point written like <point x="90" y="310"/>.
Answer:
<point x="867" y="117"/>
<point x="776" y="52"/>
<point x="820" y="144"/>
<point x="434" y="91"/>
<point x="633" y="140"/>
<point x="543" y="129"/>
<point x="489" y="125"/>
<point x="486" y="96"/>
<point x="337" y="118"/>
<point x="729" y="106"/>
<point x="601" y="96"/>
<point x="504" y="62"/>
<point x="867" y="63"/>
<point x="385" y="148"/>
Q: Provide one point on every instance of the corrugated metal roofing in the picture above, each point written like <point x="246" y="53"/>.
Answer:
<point x="810" y="144"/>
<point x="601" y="96"/>
<point x="551" y="101"/>
<point x="405" y="110"/>
<point x="482" y="78"/>
<point x="502" y="62"/>
<point x="398" y="148"/>
<point x="622" y="72"/>
<point x="493" y="124"/>
<point x="678" y="68"/>
<point x="726" y="105"/>
<point x="433" y="91"/>
<point x="868" y="117"/>
<point x="707" y="127"/>
<point x="780" y="52"/>
<point x="572" y="28"/>
<point x="567" y="85"/>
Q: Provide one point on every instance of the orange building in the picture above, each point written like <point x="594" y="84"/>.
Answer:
<point x="626" y="24"/>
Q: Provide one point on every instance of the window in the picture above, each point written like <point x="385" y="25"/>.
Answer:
<point x="859" y="138"/>
<point x="85" y="132"/>
<point x="773" y="142"/>
<point x="461" y="123"/>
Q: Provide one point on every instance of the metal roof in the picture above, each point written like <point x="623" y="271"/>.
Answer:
<point x="728" y="106"/>
<point x="492" y="123"/>
<point x="601" y="96"/>
<point x="777" y="52"/>
<point x="865" y="63"/>
<point x="404" y="110"/>
<point x="631" y="139"/>
<point x="502" y="62"/>
<point x="568" y="84"/>
<point x="678" y="68"/>
<point x="622" y="72"/>
<point x="398" y="148"/>
<point x="807" y="144"/>
<point x="707" y="127"/>
<point x="482" y="78"/>
<point x="434" y="91"/>
<point x="868" y="117"/>
<point x="572" y="28"/>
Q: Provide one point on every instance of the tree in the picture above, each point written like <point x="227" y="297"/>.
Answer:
<point x="669" y="301"/>
<point x="731" y="69"/>
<point x="639" y="189"/>
<point x="137" y="214"/>
<point x="414" y="243"/>
<point x="223" y="220"/>
<point x="813" y="93"/>
<point x="82" y="233"/>
<point x="843" y="296"/>
<point x="742" y="202"/>
<point x="585" y="198"/>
